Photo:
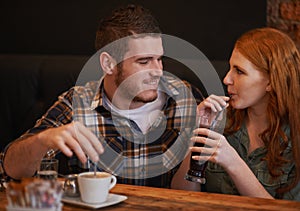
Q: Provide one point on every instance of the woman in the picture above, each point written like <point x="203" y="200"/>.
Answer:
<point x="259" y="154"/>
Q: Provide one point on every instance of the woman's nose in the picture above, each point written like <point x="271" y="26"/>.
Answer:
<point x="227" y="79"/>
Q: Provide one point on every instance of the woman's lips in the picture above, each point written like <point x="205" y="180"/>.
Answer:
<point x="230" y="94"/>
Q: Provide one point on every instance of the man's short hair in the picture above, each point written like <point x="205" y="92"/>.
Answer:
<point x="124" y="22"/>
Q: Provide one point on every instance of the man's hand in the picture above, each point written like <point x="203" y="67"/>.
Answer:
<point x="73" y="138"/>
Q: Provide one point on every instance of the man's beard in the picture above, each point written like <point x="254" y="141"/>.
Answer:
<point x="132" y="93"/>
<point x="138" y="99"/>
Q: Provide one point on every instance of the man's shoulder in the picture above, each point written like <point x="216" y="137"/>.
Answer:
<point x="175" y="81"/>
<point x="87" y="91"/>
<point x="177" y="86"/>
<point x="91" y="86"/>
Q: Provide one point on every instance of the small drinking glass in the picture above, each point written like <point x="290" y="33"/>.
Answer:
<point x="48" y="169"/>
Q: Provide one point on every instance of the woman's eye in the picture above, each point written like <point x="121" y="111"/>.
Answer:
<point x="239" y="71"/>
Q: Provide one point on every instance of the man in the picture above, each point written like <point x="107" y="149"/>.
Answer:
<point x="133" y="122"/>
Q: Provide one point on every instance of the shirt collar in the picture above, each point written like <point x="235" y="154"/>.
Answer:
<point x="97" y="100"/>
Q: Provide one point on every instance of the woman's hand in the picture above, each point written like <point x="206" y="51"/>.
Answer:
<point x="211" y="105"/>
<point x="216" y="148"/>
<point x="214" y="103"/>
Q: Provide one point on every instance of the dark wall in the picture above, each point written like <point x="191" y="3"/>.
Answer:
<point x="68" y="27"/>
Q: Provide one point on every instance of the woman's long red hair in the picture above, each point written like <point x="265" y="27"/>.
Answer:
<point x="274" y="53"/>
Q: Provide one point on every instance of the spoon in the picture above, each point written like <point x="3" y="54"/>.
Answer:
<point x="95" y="169"/>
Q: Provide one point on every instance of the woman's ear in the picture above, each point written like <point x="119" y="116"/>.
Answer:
<point x="107" y="63"/>
<point x="269" y="88"/>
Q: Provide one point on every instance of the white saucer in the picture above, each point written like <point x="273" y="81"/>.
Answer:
<point x="111" y="200"/>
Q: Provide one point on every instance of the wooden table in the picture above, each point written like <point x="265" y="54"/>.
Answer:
<point x="147" y="198"/>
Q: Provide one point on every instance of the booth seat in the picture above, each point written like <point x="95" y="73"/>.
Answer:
<point x="30" y="84"/>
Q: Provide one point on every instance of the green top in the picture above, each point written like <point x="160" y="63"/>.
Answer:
<point x="218" y="181"/>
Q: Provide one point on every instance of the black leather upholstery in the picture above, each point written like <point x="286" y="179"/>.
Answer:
<point x="31" y="83"/>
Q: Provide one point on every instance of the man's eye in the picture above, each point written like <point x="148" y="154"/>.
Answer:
<point x="144" y="61"/>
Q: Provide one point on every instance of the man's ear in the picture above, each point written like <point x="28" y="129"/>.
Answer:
<point x="107" y="63"/>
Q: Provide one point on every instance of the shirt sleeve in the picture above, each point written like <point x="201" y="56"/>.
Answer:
<point x="60" y="113"/>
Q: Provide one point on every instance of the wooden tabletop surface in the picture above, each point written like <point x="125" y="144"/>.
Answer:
<point x="148" y="198"/>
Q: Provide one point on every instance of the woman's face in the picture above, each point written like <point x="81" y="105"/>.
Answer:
<point x="246" y="85"/>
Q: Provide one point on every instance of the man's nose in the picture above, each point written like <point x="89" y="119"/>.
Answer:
<point x="157" y="69"/>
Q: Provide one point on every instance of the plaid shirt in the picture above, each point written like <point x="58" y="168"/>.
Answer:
<point x="149" y="159"/>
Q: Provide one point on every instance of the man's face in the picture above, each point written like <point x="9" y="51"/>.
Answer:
<point x="140" y="71"/>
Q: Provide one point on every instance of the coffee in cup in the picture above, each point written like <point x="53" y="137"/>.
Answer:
<point x="95" y="188"/>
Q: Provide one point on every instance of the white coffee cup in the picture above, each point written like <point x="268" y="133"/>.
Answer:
<point x="94" y="189"/>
